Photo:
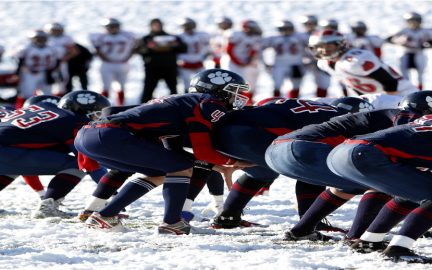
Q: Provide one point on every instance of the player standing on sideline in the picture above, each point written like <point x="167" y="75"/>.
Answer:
<point x="58" y="38"/>
<point x="242" y="53"/>
<point x="159" y="129"/>
<point x="413" y="39"/>
<point x="114" y="47"/>
<point x="358" y="70"/>
<point x="198" y="49"/>
<point x="37" y="141"/>
<point x="403" y="171"/>
<point x="159" y="51"/>
<point x="288" y="58"/>
<point x="361" y="40"/>
<point x="38" y="65"/>
<point x="321" y="78"/>
<point x="219" y="40"/>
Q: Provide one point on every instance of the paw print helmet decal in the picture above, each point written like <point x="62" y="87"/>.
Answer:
<point x="418" y="102"/>
<point x="353" y="104"/>
<point x="84" y="102"/>
<point x="222" y="84"/>
<point x="41" y="98"/>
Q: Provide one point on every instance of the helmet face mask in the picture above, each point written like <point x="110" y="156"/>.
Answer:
<point x="327" y="44"/>
<point x="224" y="85"/>
<point x="237" y="100"/>
<point x="84" y="102"/>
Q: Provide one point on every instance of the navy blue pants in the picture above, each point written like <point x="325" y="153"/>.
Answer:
<point x="249" y="144"/>
<point x="118" y="148"/>
<point x="21" y="161"/>
<point x="306" y="161"/>
<point x="243" y="142"/>
<point x="368" y="166"/>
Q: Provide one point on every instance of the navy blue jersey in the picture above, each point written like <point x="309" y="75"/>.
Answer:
<point x="40" y="126"/>
<point x="190" y="115"/>
<point x="336" y="130"/>
<point x="411" y="143"/>
<point x="284" y="115"/>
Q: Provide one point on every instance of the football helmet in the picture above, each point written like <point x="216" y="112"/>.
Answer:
<point x="41" y="98"/>
<point x="187" y="24"/>
<point x="224" y="23"/>
<point x="222" y="84"/>
<point x="320" y="39"/>
<point x="84" y="102"/>
<point x="418" y="102"/>
<point x="38" y="38"/>
<point x="413" y="16"/>
<point x="54" y="29"/>
<point x="352" y="104"/>
<point x="358" y="27"/>
<point x="250" y="27"/>
<point x="285" y="26"/>
<point x="309" y="19"/>
<point x="330" y="24"/>
<point x="112" y="25"/>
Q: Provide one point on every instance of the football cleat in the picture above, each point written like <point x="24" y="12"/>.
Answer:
<point x="363" y="246"/>
<point x="227" y="220"/>
<point x="48" y="208"/>
<point x="325" y="226"/>
<point x="96" y="221"/>
<point x="85" y="214"/>
<point x="178" y="228"/>
<point x="403" y="254"/>
<point x="314" y="236"/>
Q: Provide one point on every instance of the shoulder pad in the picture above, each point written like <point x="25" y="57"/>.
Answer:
<point x="359" y="62"/>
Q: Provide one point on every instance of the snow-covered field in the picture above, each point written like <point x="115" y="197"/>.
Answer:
<point x="66" y="244"/>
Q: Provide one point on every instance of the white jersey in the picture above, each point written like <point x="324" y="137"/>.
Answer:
<point x="63" y="41"/>
<point x="354" y="70"/>
<point x="243" y="49"/>
<point x="219" y="41"/>
<point x="368" y="42"/>
<point x="115" y="48"/>
<point x="38" y="59"/>
<point x="411" y="40"/>
<point x="288" y="49"/>
<point x="198" y="48"/>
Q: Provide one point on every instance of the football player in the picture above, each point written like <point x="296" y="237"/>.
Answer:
<point x="412" y="39"/>
<point x="288" y="58"/>
<point x="58" y="38"/>
<point x="303" y="154"/>
<point x="198" y="48"/>
<point x="37" y="141"/>
<point x="358" y="70"/>
<point x="114" y="47"/>
<point x="148" y="139"/>
<point x="37" y="66"/>
<point x="321" y="78"/>
<point x="379" y="160"/>
<point x="242" y="53"/>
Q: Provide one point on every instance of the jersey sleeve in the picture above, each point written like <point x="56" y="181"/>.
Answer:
<point x="206" y="114"/>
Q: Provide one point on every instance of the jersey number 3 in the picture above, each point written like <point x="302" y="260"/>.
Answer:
<point x="38" y="115"/>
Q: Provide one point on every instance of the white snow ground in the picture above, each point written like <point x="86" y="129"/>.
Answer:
<point x="66" y="244"/>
